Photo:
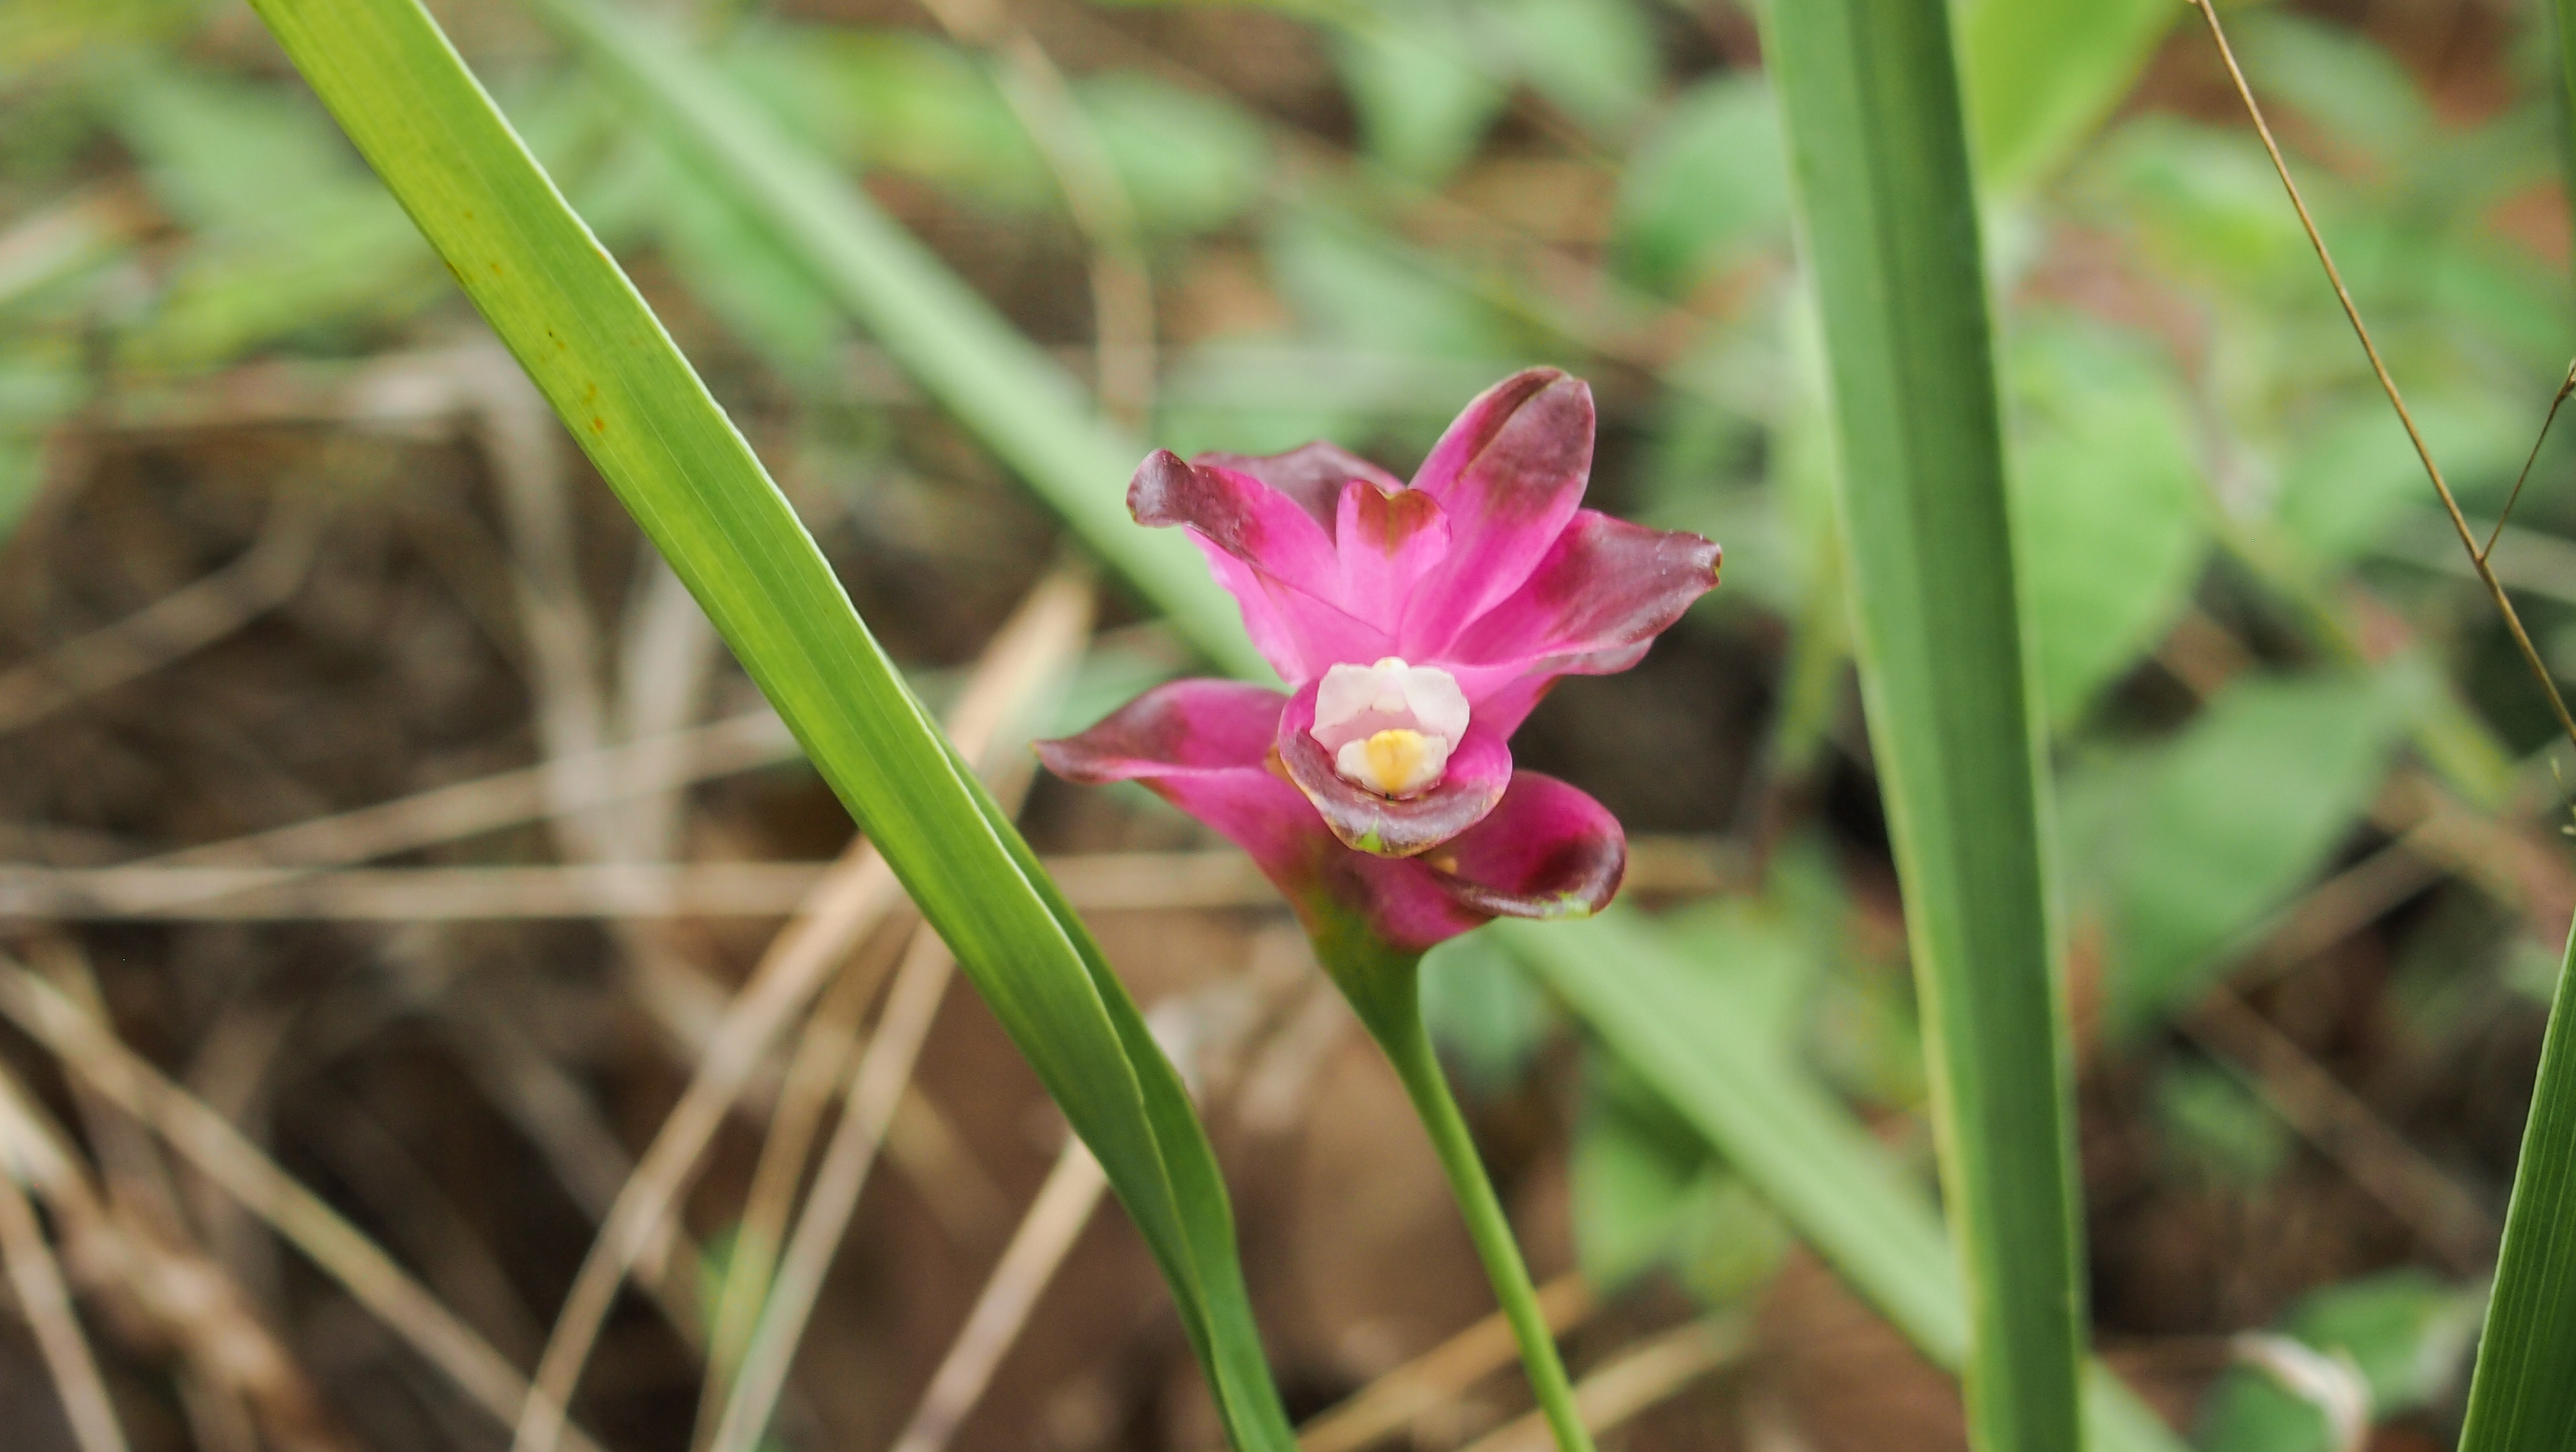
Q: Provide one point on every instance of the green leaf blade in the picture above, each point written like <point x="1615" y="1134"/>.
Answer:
<point x="603" y="361"/>
<point x="2521" y="1398"/>
<point x="1879" y="161"/>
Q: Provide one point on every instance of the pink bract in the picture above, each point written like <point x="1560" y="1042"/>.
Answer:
<point x="1486" y="567"/>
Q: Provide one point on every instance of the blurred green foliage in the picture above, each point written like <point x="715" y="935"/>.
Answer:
<point x="2194" y="437"/>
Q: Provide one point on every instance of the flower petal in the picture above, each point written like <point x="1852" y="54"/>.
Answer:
<point x="1204" y="746"/>
<point x="1509" y="474"/>
<point x="1546" y="850"/>
<point x="1313" y="476"/>
<point x="1180" y="726"/>
<point x="1479" y="768"/>
<point x="1605" y="590"/>
<point x="1239" y="514"/>
<point x="1300" y="635"/>
<point x="1389" y="540"/>
<point x="1604" y="584"/>
<point x="1407" y="905"/>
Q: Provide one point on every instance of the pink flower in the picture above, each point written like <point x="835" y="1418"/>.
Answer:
<point x="1417" y="625"/>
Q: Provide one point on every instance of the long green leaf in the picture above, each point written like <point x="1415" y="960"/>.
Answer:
<point x="602" y="359"/>
<point x="1879" y="160"/>
<point x="2043" y="73"/>
<point x="2521" y="1397"/>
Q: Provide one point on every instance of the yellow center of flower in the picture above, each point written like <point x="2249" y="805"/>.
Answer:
<point x="1392" y="763"/>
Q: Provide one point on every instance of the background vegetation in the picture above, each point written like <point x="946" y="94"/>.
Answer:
<point x="301" y="582"/>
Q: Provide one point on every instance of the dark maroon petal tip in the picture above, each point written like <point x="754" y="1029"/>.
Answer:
<point x="1312" y="475"/>
<point x="1603" y="585"/>
<point x="1547" y="850"/>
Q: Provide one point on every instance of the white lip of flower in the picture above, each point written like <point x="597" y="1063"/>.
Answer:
<point x="1390" y="727"/>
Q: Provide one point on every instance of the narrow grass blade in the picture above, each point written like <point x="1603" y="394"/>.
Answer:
<point x="1879" y="160"/>
<point x="606" y="365"/>
<point x="1690" y="1034"/>
<point x="2521" y="1398"/>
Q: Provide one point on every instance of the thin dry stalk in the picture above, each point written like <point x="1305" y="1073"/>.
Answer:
<point x="140" y="1188"/>
<point x="2566" y="386"/>
<point x="2388" y="385"/>
<point x="557" y="1116"/>
<point x="38" y="1281"/>
<point x="1394" y="1400"/>
<point x="1019" y="668"/>
<point x="1055" y="1220"/>
<point x="1095" y="882"/>
<point x="505" y="799"/>
<point x="171" y="1294"/>
<point x="180" y="623"/>
<point x="1636" y="1379"/>
<point x="2347" y="1131"/>
<point x="813" y="1082"/>
<point x="876" y="1086"/>
<point x="521" y="437"/>
<point x="216" y="1149"/>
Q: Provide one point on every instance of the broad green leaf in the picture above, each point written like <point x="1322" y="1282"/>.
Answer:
<point x="2201" y="836"/>
<point x="2203" y="199"/>
<point x="1191" y="163"/>
<point x="1878" y="155"/>
<point x="1488" y="1019"/>
<point x="2210" y="1119"/>
<point x="648" y="424"/>
<point x="2338" y="80"/>
<point x="2405" y="1333"/>
<point x="1359" y="288"/>
<point x="1682" y="1030"/>
<point x="227" y="156"/>
<point x="2043" y="73"/>
<point x="1631" y="1191"/>
<point x="1706" y="187"/>
<point x="1423" y="101"/>
<point x="1594" y="58"/>
<point x="292" y="239"/>
<point x="2108" y="501"/>
<point x="736" y="268"/>
<point x="2353" y="474"/>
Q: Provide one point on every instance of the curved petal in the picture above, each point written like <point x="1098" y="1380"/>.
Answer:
<point x="1479" y="768"/>
<point x="1300" y="635"/>
<point x="1268" y="552"/>
<point x="1180" y="726"/>
<point x="1238" y="514"/>
<point x="1204" y="746"/>
<point x="1312" y="476"/>
<point x="1389" y="540"/>
<point x="1407" y="905"/>
<point x="1604" y="584"/>
<point x="1510" y="474"/>
<point x="1547" y="850"/>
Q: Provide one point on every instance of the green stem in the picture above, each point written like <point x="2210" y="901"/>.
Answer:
<point x="1385" y="987"/>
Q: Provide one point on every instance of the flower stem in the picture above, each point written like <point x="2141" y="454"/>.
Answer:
<point x="1385" y="988"/>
